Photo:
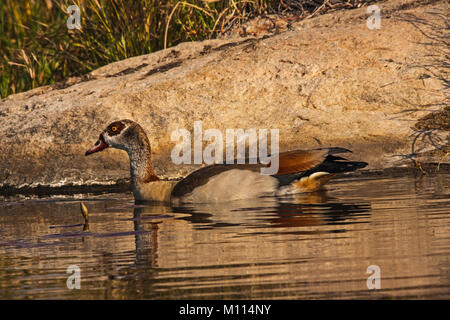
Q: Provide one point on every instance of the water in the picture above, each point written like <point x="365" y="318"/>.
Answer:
<point x="311" y="246"/>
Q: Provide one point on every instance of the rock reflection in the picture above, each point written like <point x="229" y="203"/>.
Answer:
<point x="315" y="245"/>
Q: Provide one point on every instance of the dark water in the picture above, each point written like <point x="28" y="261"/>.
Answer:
<point x="311" y="246"/>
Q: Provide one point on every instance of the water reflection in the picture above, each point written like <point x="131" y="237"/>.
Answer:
<point x="311" y="209"/>
<point x="309" y="246"/>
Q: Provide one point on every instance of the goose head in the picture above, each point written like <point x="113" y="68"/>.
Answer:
<point x="129" y="136"/>
<point x="123" y="134"/>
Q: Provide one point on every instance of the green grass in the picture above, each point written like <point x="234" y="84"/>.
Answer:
<point x="37" y="48"/>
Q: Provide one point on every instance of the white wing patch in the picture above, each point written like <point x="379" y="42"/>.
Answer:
<point x="310" y="183"/>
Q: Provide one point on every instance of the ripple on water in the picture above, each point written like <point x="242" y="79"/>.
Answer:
<point x="306" y="246"/>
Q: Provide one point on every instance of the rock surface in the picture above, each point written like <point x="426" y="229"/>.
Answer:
<point x="326" y="81"/>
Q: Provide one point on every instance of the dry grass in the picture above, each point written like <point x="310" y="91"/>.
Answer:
<point x="36" y="48"/>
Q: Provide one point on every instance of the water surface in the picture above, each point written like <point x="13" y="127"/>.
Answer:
<point x="311" y="246"/>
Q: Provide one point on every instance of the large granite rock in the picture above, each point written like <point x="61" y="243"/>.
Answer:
<point x="326" y="81"/>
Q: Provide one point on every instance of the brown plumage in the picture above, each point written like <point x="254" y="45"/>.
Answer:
<point x="300" y="160"/>
<point x="299" y="171"/>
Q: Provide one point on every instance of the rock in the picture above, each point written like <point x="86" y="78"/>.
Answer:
<point x="327" y="81"/>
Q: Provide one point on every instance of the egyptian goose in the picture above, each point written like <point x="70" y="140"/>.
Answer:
<point x="299" y="171"/>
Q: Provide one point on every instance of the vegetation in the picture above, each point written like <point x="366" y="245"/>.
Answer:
<point x="37" y="48"/>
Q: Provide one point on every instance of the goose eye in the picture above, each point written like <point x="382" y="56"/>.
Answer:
<point x="115" y="128"/>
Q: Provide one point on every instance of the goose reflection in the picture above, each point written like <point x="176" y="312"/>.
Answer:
<point x="141" y="274"/>
<point x="311" y="209"/>
<point x="151" y="223"/>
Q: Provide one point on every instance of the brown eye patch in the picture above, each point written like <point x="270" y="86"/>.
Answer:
<point x="115" y="128"/>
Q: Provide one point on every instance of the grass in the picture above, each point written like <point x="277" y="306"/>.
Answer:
<point x="37" y="48"/>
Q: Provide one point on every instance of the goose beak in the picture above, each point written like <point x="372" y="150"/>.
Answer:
<point x="98" y="146"/>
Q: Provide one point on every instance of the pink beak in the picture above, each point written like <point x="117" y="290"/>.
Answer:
<point x="98" y="146"/>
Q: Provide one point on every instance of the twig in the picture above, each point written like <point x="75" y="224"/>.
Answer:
<point x="442" y="159"/>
